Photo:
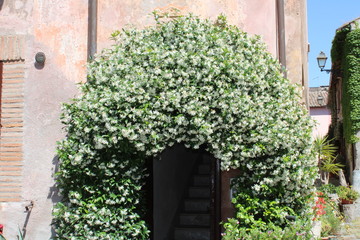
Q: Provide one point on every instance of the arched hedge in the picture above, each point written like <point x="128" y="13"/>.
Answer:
<point x="191" y="81"/>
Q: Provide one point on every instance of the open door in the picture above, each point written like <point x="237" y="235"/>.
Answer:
<point x="185" y="195"/>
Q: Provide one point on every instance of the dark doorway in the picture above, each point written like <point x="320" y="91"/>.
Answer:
<point x="185" y="195"/>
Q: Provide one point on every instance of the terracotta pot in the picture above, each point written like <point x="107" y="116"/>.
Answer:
<point x="345" y="201"/>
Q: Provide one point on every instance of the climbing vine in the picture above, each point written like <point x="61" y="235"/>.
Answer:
<point x="346" y="55"/>
<point x="189" y="81"/>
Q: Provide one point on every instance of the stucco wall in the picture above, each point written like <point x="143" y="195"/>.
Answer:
<point x="322" y="116"/>
<point x="253" y="16"/>
<point x="59" y="29"/>
<point x="297" y="44"/>
<point x="248" y="15"/>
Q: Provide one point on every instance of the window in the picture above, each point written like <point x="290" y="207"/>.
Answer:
<point x="11" y="120"/>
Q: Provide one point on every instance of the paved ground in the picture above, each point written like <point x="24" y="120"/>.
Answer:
<point x="351" y="231"/>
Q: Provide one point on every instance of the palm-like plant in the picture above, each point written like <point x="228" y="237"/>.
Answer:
<point x="324" y="148"/>
<point x="326" y="155"/>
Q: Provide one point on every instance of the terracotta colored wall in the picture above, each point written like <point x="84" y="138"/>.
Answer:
<point x="59" y="29"/>
<point x="255" y="16"/>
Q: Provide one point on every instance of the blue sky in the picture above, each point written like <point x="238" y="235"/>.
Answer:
<point x="324" y="17"/>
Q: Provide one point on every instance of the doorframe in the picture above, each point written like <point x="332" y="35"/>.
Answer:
<point x="215" y="204"/>
<point x="215" y="195"/>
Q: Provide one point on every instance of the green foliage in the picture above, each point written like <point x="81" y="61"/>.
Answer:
<point x="346" y="54"/>
<point x="338" y="43"/>
<point x="331" y="221"/>
<point x="324" y="148"/>
<point x="326" y="154"/>
<point x="330" y="216"/>
<point x="20" y="235"/>
<point x="330" y="166"/>
<point x="298" y="230"/>
<point x="327" y="189"/>
<point x="189" y="81"/>
<point x="253" y="211"/>
<point x="265" y="219"/>
<point x="347" y="193"/>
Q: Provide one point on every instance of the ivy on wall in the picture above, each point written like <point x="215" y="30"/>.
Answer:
<point x="189" y="81"/>
<point x="346" y="56"/>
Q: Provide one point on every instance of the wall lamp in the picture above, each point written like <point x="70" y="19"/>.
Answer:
<point x="321" y="59"/>
<point x="40" y="58"/>
<point x="320" y="100"/>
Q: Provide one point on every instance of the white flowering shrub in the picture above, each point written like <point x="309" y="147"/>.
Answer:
<point x="187" y="81"/>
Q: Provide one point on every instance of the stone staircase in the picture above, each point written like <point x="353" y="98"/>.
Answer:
<point x="194" y="219"/>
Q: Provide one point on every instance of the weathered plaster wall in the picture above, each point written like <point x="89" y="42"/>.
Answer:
<point x="255" y="17"/>
<point x="297" y="44"/>
<point x="248" y="15"/>
<point x="59" y="29"/>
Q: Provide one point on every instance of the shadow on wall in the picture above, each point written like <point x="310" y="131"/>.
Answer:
<point x="53" y="191"/>
<point x="1" y="4"/>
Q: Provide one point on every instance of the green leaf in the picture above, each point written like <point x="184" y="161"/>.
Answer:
<point x="20" y="235"/>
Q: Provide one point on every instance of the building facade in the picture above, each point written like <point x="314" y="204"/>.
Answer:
<point x="344" y="97"/>
<point x="318" y="101"/>
<point x="67" y="33"/>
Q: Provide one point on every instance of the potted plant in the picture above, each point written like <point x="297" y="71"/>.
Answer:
<point x="326" y="154"/>
<point x="347" y="195"/>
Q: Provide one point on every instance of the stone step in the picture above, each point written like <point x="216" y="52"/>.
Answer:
<point x="196" y="205"/>
<point x="199" y="192"/>
<point x="204" y="169"/>
<point x="201" y="180"/>
<point x="192" y="234"/>
<point x="195" y="219"/>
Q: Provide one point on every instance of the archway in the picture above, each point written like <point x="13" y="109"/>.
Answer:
<point x="184" y="194"/>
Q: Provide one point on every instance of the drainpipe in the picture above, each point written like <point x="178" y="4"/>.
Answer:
<point x="28" y="209"/>
<point x="92" y="28"/>
<point x="280" y="15"/>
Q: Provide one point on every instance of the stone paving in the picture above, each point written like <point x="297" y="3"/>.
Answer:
<point x="351" y="231"/>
